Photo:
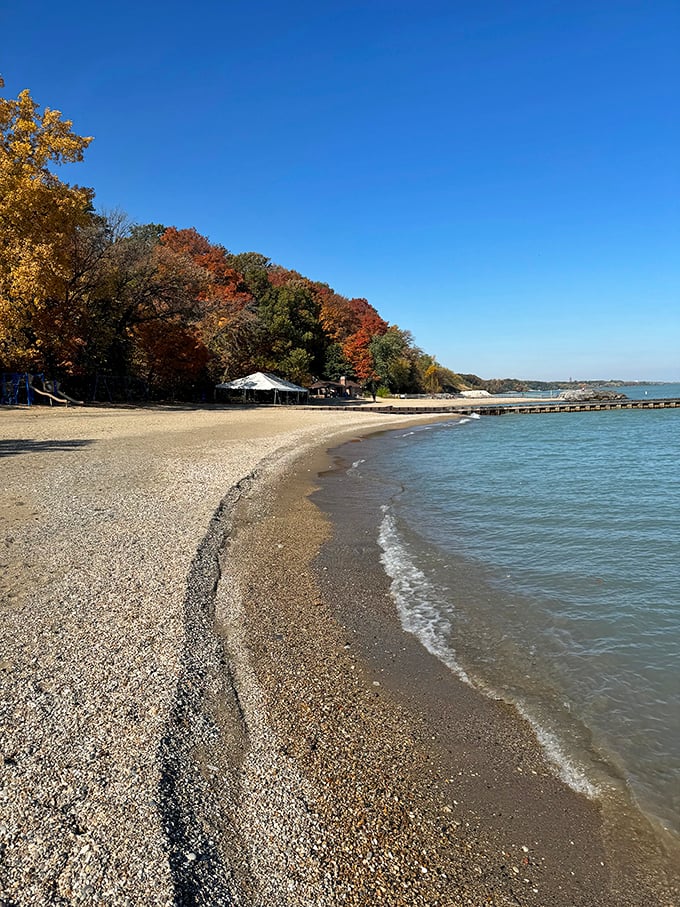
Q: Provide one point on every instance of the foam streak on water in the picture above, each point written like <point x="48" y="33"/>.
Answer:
<point x="419" y="607"/>
<point x="568" y="769"/>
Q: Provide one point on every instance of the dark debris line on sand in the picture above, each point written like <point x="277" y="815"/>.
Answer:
<point x="204" y="741"/>
<point x="234" y="809"/>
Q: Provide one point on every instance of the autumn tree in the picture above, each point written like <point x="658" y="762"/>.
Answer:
<point x="169" y="357"/>
<point x="133" y="305"/>
<point x="186" y="294"/>
<point x="434" y="378"/>
<point x="225" y="285"/>
<point x="39" y="217"/>
<point x="357" y="347"/>
<point x="431" y="382"/>
<point x="226" y="319"/>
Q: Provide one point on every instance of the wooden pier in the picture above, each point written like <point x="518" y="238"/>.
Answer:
<point x="565" y="406"/>
<point x="504" y="409"/>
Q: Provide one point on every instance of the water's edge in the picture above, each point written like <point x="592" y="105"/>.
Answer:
<point x="585" y="769"/>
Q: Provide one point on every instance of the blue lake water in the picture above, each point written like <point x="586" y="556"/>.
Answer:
<point x="539" y="557"/>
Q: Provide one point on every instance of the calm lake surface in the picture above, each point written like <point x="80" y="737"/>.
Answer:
<point x="539" y="557"/>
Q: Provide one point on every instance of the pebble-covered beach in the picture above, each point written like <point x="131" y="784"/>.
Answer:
<point x="103" y="512"/>
<point x="185" y="717"/>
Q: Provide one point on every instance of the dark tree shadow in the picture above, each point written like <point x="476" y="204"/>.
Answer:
<point x="12" y="447"/>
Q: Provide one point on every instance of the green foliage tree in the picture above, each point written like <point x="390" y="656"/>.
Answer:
<point x="255" y="270"/>
<point x="290" y="315"/>
<point x="394" y="359"/>
<point x="336" y="365"/>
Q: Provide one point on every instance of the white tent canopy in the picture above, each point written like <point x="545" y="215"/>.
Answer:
<point x="263" y="381"/>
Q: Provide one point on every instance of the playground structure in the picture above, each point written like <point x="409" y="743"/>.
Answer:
<point x="29" y="389"/>
<point x="25" y="389"/>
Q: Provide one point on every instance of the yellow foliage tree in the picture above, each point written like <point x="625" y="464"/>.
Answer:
<point x="39" y="216"/>
<point x="431" y="379"/>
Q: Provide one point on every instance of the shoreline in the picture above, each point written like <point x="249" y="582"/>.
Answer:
<point x="403" y="800"/>
<point x="644" y="851"/>
<point x="282" y="759"/>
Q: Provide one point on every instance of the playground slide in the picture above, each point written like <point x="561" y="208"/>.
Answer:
<point x="58" y="396"/>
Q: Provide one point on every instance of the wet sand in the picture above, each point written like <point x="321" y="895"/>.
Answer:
<point x="194" y="711"/>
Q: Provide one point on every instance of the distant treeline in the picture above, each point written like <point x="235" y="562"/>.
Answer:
<point x="516" y="385"/>
<point x="90" y="299"/>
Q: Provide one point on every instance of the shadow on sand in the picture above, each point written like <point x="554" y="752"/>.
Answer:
<point x="26" y="445"/>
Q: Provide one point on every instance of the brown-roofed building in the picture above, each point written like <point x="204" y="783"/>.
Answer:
<point x="345" y="387"/>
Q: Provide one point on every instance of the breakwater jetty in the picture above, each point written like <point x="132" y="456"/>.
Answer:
<point x="523" y="408"/>
<point x="571" y="406"/>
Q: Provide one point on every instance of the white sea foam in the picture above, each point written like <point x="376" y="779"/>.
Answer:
<point x="418" y="430"/>
<point x="415" y="597"/>
<point x="464" y="420"/>
<point x="568" y="770"/>
<point x="356" y="464"/>
<point x="420" y="613"/>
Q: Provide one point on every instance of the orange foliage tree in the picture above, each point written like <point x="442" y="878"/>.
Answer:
<point x="356" y="347"/>
<point x="39" y="215"/>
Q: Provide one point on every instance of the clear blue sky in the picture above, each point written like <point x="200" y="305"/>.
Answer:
<point x="501" y="177"/>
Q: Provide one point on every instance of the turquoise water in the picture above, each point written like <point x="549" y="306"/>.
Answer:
<point x="539" y="557"/>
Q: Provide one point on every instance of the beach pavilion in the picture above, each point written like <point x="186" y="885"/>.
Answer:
<point x="263" y="386"/>
<point x="342" y="388"/>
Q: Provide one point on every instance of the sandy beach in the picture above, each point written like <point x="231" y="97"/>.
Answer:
<point x="203" y="701"/>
